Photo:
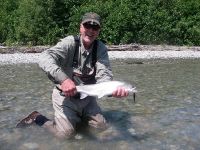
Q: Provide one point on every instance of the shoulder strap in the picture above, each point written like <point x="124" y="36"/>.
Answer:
<point x="75" y="58"/>
<point x="94" y="53"/>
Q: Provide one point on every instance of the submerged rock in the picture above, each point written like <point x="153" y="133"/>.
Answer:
<point x="31" y="146"/>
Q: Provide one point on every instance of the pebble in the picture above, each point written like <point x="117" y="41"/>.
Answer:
<point x="34" y="57"/>
<point x="154" y="54"/>
<point x="19" y="58"/>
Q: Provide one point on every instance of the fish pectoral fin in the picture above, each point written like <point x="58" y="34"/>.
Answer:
<point x="83" y="95"/>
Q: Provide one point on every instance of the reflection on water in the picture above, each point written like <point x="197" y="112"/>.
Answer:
<point x="166" y="114"/>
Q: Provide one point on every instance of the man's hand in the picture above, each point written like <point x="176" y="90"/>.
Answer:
<point x="120" y="92"/>
<point x="68" y="87"/>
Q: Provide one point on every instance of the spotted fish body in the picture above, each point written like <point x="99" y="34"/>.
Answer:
<point x="102" y="89"/>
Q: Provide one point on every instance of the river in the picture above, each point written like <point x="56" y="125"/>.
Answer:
<point x="166" y="114"/>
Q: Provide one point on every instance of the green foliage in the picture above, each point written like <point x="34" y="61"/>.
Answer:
<point x="186" y="28"/>
<point x="118" y="27"/>
<point x="7" y="9"/>
<point x="34" y="24"/>
<point x="39" y="22"/>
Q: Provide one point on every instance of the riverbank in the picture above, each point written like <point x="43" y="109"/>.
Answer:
<point x="34" y="57"/>
<point x="129" y="47"/>
<point x="133" y="51"/>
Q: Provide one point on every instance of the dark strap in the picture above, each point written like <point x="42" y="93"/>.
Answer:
<point x="76" y="53"/>
<point x="77" y="44"/>
<point x="94" y="53"/>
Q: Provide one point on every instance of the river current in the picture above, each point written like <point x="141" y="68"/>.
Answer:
<point x="166" y="114"/>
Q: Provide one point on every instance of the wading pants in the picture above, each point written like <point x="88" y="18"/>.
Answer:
<point x="69" y="112"/>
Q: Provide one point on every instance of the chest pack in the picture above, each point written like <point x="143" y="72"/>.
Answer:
<point x="76" y="53"/>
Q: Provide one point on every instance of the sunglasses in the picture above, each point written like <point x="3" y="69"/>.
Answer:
<point x="90" y="26"/>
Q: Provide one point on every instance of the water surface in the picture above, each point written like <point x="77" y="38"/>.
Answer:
<point x="166" y="114"/>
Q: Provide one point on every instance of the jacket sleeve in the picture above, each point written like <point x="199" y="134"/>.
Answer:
<point x="103" y="68"/>
<point x="55" y="58"/>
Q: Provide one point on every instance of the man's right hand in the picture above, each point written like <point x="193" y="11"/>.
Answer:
<point x="68" y="87"/>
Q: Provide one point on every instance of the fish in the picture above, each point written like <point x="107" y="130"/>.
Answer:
<point x="102" y="89"/>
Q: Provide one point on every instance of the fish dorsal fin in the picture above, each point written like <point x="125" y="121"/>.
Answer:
<point x="83" y="95"/>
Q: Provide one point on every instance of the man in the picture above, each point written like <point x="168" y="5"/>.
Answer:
<point x="73" y="61"/>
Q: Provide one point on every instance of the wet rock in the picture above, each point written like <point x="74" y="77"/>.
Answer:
<point x="132" y="131"/>
<point x="124" y="145"/>
<point x="78" y="137"/>
<point x="174" y="147"/>
<point x="108" y="134"/>
<point x="30" y="146"/>
<point x="130" y="62"/>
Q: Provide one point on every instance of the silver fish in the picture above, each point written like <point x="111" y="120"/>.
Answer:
<point x="102" y="89"/>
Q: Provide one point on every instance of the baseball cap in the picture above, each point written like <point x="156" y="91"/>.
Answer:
<point x="92" y="18"/>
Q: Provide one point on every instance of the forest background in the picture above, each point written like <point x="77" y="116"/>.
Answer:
<point x="44" y="22"/>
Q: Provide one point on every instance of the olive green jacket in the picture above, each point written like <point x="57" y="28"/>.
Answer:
<point x="57" y="61"/>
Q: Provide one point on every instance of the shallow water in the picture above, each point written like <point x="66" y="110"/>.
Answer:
<point x="166" y="114"/>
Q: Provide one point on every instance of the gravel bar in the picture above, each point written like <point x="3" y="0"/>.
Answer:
<point x="34" y="57"/>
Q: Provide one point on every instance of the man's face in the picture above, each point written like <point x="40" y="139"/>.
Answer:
<point x="89" y="33"/>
